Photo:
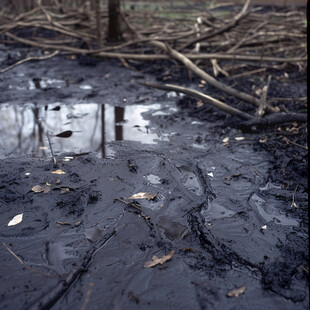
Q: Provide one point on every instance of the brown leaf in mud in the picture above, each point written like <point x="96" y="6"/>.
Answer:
<point x="155" y="260"/>
<point x="64" y="134"/>
<point x="58" y="171"/>
<point x="236" y="292"/>
<point x="41" y="188"/>
<point x="143" y="195"/>
<point x="69" y="223"/>
<point x="64" y="190"/>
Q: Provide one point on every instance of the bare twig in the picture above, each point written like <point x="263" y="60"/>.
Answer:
<point x="26" y="266"/>
<point x="263" y="99"/>
<point x="30" y="59"/>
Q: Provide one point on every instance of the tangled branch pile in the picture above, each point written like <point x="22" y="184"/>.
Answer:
<point x="249" y="41"/>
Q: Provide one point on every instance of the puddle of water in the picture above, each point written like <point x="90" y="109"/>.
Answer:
<point x="191" y="181"/>
<point x="216" y="211"/>
<point x="57" y="252"/>
<point x="23" y="128"/>
<point x="172" y="230"/>
<point x="93" y="234"/>
<point x="269" y="212"/>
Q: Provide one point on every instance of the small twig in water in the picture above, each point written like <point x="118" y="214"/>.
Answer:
<point x="26" y="266"/>
<point x="50" y="144"/>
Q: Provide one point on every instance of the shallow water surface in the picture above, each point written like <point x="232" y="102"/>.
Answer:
<point x="23" y="128"/>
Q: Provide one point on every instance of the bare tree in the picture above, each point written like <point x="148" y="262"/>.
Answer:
<point x="114" y="30"/>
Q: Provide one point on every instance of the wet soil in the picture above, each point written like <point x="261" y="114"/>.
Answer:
<point x="234" y="211"/>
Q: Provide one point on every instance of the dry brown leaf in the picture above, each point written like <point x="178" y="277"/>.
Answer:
<point x="155" y="260"/>
<point x="41" y="188"/>
<point x="143" y="195"/>
<point x="236" y="292"/>
<point x="58" y="171"/>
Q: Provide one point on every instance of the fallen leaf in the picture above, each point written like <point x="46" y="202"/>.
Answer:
<point x="239" y="138"/>
<point x="43" y="147"/>
<point x="58" y="172"/>
<point x="264" y="227"/>
<point x="210" y="174"/>
<point x="57" y="108"/>
<point x="155" y="260"/>
<point x="236" y="292"/>
<point x="143" y="195"/>
<point x="16" y="220"/>
<point x="225" y="140"/>
<point x="41" y="188"/>
<point x="263" y="140"/>
<point x="64" y="134"/>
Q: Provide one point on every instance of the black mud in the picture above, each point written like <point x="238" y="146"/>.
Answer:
<point x="234" y="211"/>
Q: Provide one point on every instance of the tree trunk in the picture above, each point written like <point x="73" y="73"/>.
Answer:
<point x="114" y="31"/>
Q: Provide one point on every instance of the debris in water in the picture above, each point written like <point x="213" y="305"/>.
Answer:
<point x="236" y="292"/>
<point x="64" y="134"/>
<point x="239" y="138"/>
<point x="155" y="260"/>
<point x="16" y="219"/>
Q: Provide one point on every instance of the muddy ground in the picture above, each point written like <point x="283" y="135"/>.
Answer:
<point x="234" y="211"/>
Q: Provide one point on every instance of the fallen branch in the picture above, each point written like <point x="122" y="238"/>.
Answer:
<point x="99" y="52"/>
<point x="274" y="119"/>
<point x="205" y="98"/>
<point x="30" y="59"/>
<point x="208" y="78"/>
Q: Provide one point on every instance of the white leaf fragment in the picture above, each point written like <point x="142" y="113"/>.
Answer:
<point x="264" y="227"/>
<point x="210" y="174"/>
<point x="16" y="219"/>
<point x="225" y="140"/>
<point x="239" y="138"/>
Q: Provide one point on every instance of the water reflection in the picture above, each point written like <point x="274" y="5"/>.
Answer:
<point x="23" y="128"/>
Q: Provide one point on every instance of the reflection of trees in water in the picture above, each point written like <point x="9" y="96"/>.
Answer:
<point x="119" y="118"/>
<point x="23" y="120"/>
<point x="26" y="129"/>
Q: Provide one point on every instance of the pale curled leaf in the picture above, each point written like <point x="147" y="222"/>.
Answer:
<point x="16" y="220"/>
<point x="58" y="171"/>
<point x="155" y="260"/>
<point x="41" y="188"/>
<point x="225" y="140"/>
<point x="143" y="195"/>
<point x="239" y="138"/>
<point x="236" y="292"/>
